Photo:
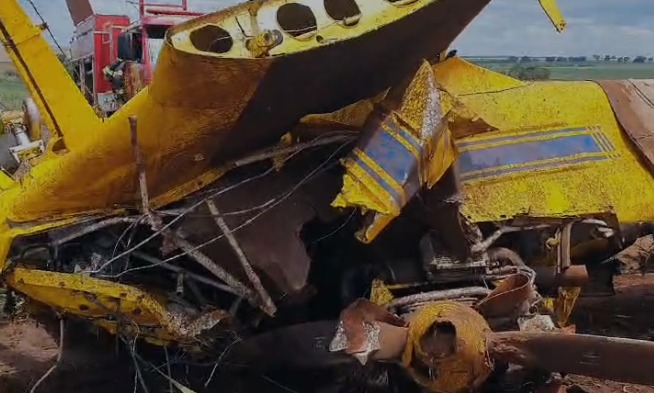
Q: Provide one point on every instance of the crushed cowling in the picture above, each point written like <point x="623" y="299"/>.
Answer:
<point x="405" y="145"/>
<point x="446" y="348"/>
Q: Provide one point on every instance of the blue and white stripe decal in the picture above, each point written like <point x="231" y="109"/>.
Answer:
<point x="396" y="153"/>
<point x="536" y="151"/>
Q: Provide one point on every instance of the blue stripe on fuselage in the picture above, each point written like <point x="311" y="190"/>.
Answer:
<point x="391" y="155"/>
<point x="517" y="138"/>
<point x="527" y="152"/>
<point x="532" y="167"/>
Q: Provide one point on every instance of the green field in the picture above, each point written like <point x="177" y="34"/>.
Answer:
<point x="583" y="71"/>
<point x="12" y="93"/>
<point x="12" y="90"/>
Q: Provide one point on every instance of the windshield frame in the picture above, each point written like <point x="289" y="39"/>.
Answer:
<point x="153" y="40"/>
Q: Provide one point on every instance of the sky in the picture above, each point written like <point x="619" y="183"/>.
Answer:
<point x="505" y="27"/>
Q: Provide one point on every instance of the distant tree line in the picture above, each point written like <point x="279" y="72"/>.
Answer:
<point x="575" y="59"/>
<point x="571" y="59"/>
<point x="581" y="59"/>
<point x="11" y="75"/>
<point x="567" y="59"/>
<point x="528" y="73"/>
<point x="624" y="59"/>
<point x="549" y="59"/>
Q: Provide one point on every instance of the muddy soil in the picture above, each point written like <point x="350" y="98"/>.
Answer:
<point x="630" y="313"/>
<point x="27" y="351"/>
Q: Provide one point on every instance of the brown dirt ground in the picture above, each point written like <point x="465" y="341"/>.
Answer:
<point x="630" y="313"/>
<point x="27" y="351"/>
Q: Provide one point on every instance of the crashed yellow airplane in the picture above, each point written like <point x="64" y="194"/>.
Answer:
<point x="290" y="158"/>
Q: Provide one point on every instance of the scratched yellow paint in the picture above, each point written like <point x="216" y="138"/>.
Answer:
<point x="464" y="371"/>
<point x="511" y="108"/>
<point x="88" y="167"/>
<point x="139" y="312"/>
<point x="373" y="15"/>
<point x="411" y="119"/>
<point x="492" y="141"/>
<point x="554" y="13"/>
<point x="621" y="185"/>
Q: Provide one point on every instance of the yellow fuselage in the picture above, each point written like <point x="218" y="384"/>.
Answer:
<point x="549" y="149"/>
<point x="558" y="152"/>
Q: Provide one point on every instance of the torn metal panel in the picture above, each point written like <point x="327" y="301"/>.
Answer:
<point x="352" y="117"/>
<point x="365" y="328"/>
<point x="539" y="173"/>
<point x="633" y="104"/>
<point x="116" y="306"/>
<point x="463" y="80"/>
<point x="266" y="217"/>
<point x="512" y="297"/>
<point x="79" y="10"/>
<point x="404" y="146"/>
<point x="463" y="121"/>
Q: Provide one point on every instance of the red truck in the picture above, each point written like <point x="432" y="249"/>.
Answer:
<point x="114" y="57"/>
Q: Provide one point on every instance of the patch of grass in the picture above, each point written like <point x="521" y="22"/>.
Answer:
<point x="608" y="71"/>
<point x="12" y="94"/>
<point x="584" y="71"/>
<point x="12" y="89"/>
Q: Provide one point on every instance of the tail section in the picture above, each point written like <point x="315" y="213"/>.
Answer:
<point x="64" y="109"/>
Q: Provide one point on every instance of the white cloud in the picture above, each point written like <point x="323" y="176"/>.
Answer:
<point x="636" y="32"/>
<point x="516" y="27"/>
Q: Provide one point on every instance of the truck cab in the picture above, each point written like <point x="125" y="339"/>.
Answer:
<point x="114" y="58"/>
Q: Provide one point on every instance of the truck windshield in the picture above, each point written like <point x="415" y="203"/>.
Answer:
<point x="154" y="47"/>
<point x="155" y="42"/>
